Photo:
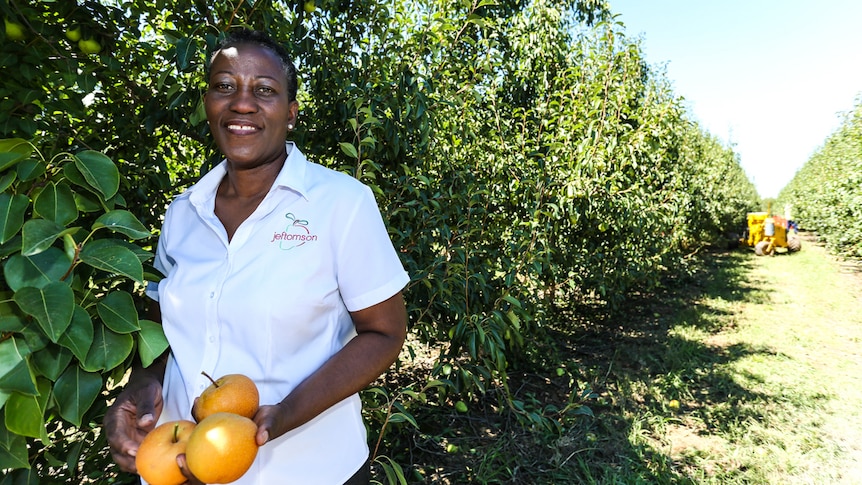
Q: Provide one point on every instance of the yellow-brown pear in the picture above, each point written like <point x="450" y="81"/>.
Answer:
<point x="222" y="448"/>
<point x="231" y="393"/>
<point x="156" y="459"/>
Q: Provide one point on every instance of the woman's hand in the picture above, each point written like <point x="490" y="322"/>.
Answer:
<point x="269" y="417"/>
<point x="184" y="468"/>
<point x="131" y="417"/>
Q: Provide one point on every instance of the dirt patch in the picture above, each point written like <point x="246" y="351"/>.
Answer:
<point x="685" y="440"/>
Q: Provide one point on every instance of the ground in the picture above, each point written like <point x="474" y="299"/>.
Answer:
<point x="763" y="355"/>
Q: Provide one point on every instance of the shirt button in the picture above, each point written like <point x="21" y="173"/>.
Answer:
<point x="212" y="294"/>
<point x="212" y="338"/>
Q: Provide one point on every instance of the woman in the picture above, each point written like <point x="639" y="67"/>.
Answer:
<point x="276" y="268"/>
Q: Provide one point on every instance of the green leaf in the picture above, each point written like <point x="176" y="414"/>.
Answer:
<point x="37" y="270"/>
<point x="116" y="200"/>
<point x="6" y="438"/>
<point x="25" y="415"/>
<point x="31" y="169"/>
<point x="99" y="171"/>
<point x="151" y="341"/>
<point x="16" y="145"/>
<point x="9" y="159"/>
<point x="142" y="254"/>
<point x="53" y="461"/>
<point x="51" y="361"/>
<point x="73" y="456"/>
<point x="186" y="50"/>
<point x="76" y="390"/>
<point x="394" y="472"/>
<point x="109" y="349"/>
<point x="124" y="222"/>
<point x="112" y="256"/>
<point x="85" y="203"/>
<point x="10" y="322"/>
<point x="10" y="247"/>
<point x="511" y="299"/>
<point x="79" y="336"/>
<point x="199" y="115"/>
<point x="13" y="150"/>
<point x="6" y="180"/>
<point x="13" y="450"/>
<point x="72" y="174"/>
<point x="117" y="311"/>
<point x="51" y="305"/>
<point x="34" y="336"/>
<point x="56" y="202"/>
<point x="87" y="82"/>
<point x="30" y="476"/>
<point x="70" y="247"/>
<point x="39" y="234"/>
<point x="19" y="379"/>
<point x="12" y="210"/>
<point x="15" y="375"/>
<point x="349" y="149"/>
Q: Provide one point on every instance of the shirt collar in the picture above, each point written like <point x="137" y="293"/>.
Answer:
<point x="291" y="177"/>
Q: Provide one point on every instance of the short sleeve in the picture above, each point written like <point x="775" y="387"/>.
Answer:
<point x="162" y="261"/>
<point x="369" y="270"/>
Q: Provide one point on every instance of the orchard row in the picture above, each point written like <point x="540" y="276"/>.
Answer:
<point x="527" y="159"/>
<point x="826" y="193"/>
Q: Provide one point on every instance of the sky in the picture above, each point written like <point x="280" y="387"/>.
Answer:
<point x="771" y="78"/>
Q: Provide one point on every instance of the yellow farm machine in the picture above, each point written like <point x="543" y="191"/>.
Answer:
<point x="769" y="234"/>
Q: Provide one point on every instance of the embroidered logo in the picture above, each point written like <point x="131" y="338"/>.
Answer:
<point x="295" y="234"/>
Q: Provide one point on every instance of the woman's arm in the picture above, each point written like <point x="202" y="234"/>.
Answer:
<point x="381" y="330"/>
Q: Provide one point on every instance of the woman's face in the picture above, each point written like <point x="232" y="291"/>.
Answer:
<point x="247" y="105"/>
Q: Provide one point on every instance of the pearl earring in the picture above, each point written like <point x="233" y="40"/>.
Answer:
<point x="290" y="126"/>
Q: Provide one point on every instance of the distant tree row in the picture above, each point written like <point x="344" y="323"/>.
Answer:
<point x="826" y="193"/>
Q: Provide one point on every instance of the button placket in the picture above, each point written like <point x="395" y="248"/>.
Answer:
<point x="211" y="345"/>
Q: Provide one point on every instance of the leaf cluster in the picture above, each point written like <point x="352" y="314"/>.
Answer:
<point x="68" y="315"/>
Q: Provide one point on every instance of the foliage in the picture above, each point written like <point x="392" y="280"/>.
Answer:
<point x="721" y="343"/>
<point x="526" y="157"/>
<point x="825" y="193"/>
<point x="68" y="321"/>
<point x="720" y="193"/>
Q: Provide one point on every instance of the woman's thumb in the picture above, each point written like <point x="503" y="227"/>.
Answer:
<point x="145" y="412"/>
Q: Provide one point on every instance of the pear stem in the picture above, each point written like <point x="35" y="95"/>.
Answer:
<point x="210" y="378"/>
<point x="176" y="432"/>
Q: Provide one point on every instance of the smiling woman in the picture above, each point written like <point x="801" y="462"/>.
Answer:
<point x="273" y="288"/>
<point x="250" y="107"/>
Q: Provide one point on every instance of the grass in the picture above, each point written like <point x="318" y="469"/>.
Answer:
<point x="762" y="355"/>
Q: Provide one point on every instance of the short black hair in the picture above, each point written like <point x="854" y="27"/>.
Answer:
<point x="238" y="37"/>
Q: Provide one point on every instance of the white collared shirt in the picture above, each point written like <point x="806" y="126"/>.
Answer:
<point x="274" y="303"/>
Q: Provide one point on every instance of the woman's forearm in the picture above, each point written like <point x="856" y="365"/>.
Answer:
<point x="381" y="331"/>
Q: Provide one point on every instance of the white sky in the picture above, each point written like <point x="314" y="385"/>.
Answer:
<point x="771" y="77"/>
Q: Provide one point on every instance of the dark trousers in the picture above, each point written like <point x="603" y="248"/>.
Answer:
<point x="361" y="477"/>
